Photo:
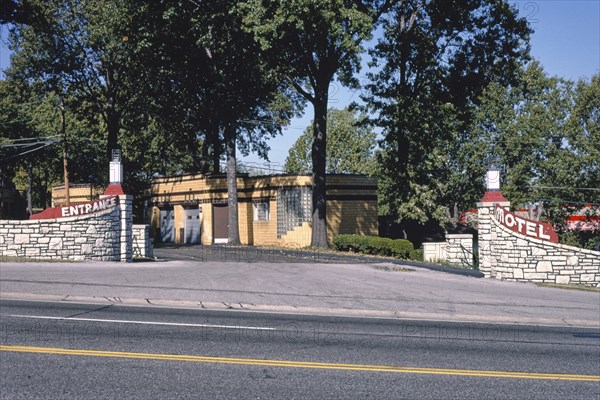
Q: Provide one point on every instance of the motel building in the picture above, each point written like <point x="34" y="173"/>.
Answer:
<point x="272" y="210"/>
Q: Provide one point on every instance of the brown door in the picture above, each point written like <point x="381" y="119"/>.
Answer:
<point x="220" y="223"/>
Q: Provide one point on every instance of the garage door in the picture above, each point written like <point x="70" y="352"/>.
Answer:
<point x="192" y="226"/>
<point x="167" y="226"/>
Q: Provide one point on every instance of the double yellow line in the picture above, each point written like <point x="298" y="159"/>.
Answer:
<point x="300" y="364"/>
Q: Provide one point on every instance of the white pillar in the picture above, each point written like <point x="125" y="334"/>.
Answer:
<point x="126" y="217"/>
<point x="485" y="210"/>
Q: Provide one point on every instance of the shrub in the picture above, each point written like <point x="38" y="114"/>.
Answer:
<point x="373" y="245"/>
<point x="416" y="255"/>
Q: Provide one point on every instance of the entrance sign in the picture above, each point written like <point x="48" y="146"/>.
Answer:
<point x="77" y="209"/>
<point x="88" y="208"/>
<point x="524" y="226"/>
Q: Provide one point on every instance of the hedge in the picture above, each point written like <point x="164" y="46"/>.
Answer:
<point x="375" y="245"/>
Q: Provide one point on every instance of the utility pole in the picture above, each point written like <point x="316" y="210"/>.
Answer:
<point x="29" y="189"/>
<point x="65" y="162"/>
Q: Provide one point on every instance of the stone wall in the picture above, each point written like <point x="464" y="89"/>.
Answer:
<point x="459" y="250"/>
<point x="511" y="256"/>
<point x="456" y="250"/>
<point x="143" y="244"/>
<point x="102" y="236"/>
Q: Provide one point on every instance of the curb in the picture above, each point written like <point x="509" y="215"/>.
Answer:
<point x="305" y="311"/>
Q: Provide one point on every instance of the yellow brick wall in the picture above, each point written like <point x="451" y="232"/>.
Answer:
<point x="351" y="217"/>
<point x="79" y="193"/>
<point x="179" y="222"/>
<point x="344" y="216"/>
<point x="206" y="224"/>
<point x="265" y="232"/>
<point x="155" y="221"/>
<point x="245" y="223"/>
<point x="298" y="237"/>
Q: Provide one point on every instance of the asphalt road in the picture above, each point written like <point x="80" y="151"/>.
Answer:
<point x="86" y="351"/>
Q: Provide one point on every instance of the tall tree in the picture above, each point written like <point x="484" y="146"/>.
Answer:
<point x="313" y="42"/>
<point x="545" y="132"/>
<point x="350" y="150"/>
<point x="81" y="48"/>
<point x="434" y="59"/>
<point x="237" y="95"/>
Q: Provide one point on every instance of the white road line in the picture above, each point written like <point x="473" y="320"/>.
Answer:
<point x="120" y="321"/>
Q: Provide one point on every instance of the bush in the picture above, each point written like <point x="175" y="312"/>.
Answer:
<point x="373" y="245"/>
<point x="416" y="255"/>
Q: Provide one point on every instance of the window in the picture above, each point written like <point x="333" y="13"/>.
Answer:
<point x="260" y="211"/>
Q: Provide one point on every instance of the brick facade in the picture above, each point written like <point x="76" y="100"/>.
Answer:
<point x="351" y="205"/>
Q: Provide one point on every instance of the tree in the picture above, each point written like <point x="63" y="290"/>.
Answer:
<point x="81" y="48"/>
<point x="232" y="94"/>
<point x="351" y="148"/>
<point x="313" y="42"/>
<point x="435" y="58"/>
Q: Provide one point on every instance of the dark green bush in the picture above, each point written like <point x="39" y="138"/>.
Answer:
<point x="416" y="255"/>
<point x="373" y="245"/>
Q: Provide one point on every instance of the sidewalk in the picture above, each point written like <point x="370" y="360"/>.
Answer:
<point x="370" y="289"/>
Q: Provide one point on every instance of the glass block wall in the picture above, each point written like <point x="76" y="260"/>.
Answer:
<point x="294" y="207"/>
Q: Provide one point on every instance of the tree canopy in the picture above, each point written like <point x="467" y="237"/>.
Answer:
<point x="433" y="61"/>
<point x="351" y="148"/>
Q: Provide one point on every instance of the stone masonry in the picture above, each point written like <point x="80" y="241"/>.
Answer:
<point x="511" y="256"/>
<point x="97" y="236"/>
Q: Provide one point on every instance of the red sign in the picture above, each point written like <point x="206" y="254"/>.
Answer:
<point x="527" y="227"/>
<point x="77" y="209"/>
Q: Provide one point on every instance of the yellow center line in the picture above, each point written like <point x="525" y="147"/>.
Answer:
<point x="300" y="364"/>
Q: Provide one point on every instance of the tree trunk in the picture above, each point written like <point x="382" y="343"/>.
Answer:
<point x="232" y="196"/>
<point x="216" y="148"/>
<point x="319" y="159"/>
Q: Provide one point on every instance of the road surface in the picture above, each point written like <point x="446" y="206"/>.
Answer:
<point x="51" y="350"/>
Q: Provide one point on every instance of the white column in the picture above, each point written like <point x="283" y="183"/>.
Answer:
<point x="126" y="217"/>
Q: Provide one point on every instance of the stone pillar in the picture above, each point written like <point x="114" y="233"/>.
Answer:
<point x="485" y="233"/>
<point x="126" y="224"/>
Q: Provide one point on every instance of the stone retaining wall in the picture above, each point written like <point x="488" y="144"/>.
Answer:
<point x="520" y="258"/>
<point x="102" y="236"/>
<point x="507" y="255"/>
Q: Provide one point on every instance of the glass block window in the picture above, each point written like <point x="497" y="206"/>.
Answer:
<point x="260" y="211"/>
<point x="294" y="207"/>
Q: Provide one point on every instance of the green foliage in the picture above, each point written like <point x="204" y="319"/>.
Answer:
<point x="312" y="42"/>
<point x="416" y="255"/>
<point x="350" y="146"/>
<point x="435" y="59"/>
<point x="545" y="132"/>
<point x="373" y="245"/>
<point x="584" y="239"/>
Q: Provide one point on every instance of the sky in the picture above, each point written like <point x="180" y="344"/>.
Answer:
<point x="566" y="41"/>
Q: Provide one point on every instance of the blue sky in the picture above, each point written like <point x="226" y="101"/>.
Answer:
<point x="566" y="41"/>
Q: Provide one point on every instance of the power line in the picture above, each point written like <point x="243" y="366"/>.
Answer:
<point x="564" y="188"/>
